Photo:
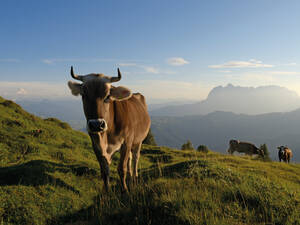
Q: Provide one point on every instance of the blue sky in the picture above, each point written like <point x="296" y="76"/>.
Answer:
<point x="166" y="49"/>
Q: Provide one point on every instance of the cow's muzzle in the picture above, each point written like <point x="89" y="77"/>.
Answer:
<point x="96" y="125"/>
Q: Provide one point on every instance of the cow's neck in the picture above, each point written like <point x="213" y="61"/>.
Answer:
<point x="113" y="138"/>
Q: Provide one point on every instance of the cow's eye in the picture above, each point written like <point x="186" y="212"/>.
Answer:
<point x="107" y="99"/>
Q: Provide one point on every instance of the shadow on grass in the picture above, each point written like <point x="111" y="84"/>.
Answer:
<point x="137" y="207"/>
<point x="171" y="171"/>
<point x="38" y="172"/>
<point x="118" y="208"/>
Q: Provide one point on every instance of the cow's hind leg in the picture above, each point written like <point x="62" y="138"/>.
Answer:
<point x="129" y="170"/>
<point x="122" y="168"/>
<point x="136" y="156"/>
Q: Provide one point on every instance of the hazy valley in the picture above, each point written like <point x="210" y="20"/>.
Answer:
<point x="260" y="115"/>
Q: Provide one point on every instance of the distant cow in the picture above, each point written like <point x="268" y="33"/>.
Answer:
<point x="244" y="147"/>
<point x="284" y="154"/>
<point x="116" y="118"/>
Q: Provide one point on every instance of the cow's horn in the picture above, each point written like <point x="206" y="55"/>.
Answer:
<point x="75" y="76"/>
<point x="115" y="79"/>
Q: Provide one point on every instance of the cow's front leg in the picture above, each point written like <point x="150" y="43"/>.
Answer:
<point x="100" y="149"/>
<point x="105" y="172"/>
<point x="122" y="168"/>
<point x="104" y="168"/>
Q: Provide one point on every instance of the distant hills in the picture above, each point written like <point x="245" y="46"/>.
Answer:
<point x="269" y="114"/>
<point x="245" y="100"/>
<point x="67" y="110"/>
<point x="236" y="99"/>
<point x="217" y="128"/>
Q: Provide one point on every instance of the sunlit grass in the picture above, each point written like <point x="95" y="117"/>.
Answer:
<point x="54" y="178"/>
<point x="205" y="192"/>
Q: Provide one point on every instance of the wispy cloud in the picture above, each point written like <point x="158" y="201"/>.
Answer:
<point x="253" y="63"/>
<point x="15" y="90"/>
<point x="147" y="68"/>
<point x="289" y="64"/>
<point x="177" y="61"/>
<point x="225" y="71"/>
<point x="10" y="60"/>
<point x="47" y="61"/>
<point x="127" y="64"/>
<point x="21" y="91"/>
<point x="172" y="90"/>
<point x="151" y="69"/>
<point x="85" y="60"/>
<point x="284" y="73"/>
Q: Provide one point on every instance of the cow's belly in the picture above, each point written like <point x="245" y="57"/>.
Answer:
<point x="112" y="148"/>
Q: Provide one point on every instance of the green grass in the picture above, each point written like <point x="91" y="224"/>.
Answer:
<point x="43" y="177"/>
<point x="54" y="178"/>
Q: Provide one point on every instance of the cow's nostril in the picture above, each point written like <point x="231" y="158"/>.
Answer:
<point x="102" y="124"/>
<point x="98" y="125"/>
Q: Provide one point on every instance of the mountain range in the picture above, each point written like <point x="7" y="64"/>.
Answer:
<point x="268" y="114"/>
<point x="245" y="100"/>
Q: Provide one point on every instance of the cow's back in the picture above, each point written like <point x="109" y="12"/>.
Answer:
<point x="246" y="147"/>
<point x="288" y="153"/>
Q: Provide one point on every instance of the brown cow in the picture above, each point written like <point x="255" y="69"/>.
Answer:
<point x="284" y="154"/>
<point x="116" y="120"/>
<point x="244" y="147"/>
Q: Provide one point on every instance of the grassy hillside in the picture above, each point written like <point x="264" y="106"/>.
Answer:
<point x="43" y="176"/>
<point x="53" y="177"/>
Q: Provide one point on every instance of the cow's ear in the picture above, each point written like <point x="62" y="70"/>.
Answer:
<point x="74" y="87"/>
<point x="120" y="93"/>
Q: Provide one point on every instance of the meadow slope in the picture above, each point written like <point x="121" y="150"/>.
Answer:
<point x="52" y="177"/>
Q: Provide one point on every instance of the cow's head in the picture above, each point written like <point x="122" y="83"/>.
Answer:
<point x="282" y="148"/>
<point x="261" y="152"/>
<point x="234" y="142"/>
<point x="97" y="95"/>
<point x="232" y="145"/>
